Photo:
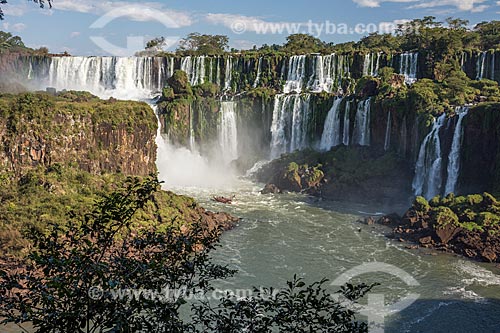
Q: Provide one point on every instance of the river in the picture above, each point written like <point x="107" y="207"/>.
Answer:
<point x="283" y="235"/>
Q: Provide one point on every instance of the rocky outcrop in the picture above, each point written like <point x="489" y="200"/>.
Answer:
<point x="353" y="174"/>
<point x="467" y="226"/>
<point x="77" y="133"/>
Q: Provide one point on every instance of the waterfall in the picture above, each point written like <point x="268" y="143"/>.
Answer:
<point x="428" y="170"/>
<point x="408" y="66"/>
<point x="127" y="77"/>
<point x="492" y="69"/>
<point x="289" y="125"/>
<point x="331" y="131"/>
<point x="259" y="73"/>
<point x="387" y="143"/>
<point x="371" y="65"/>
<point x="366" y="65"/>
<point x="194" y="68"/>
<point x="480" y="66"/>
<point x="361" y="134"/>
<point x="228" y="77"/>
<point x="296" y="74"/>
<point x="454" y="157"/>
<point x="347" y="123"/>
<point x="228" y="133"/>
<point x="192" y="139"/>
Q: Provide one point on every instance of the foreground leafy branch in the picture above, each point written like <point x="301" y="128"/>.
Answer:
<point x="77" y="277"/>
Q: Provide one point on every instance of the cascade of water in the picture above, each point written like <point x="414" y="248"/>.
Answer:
<point x="480" y="65"/>
<point x="408" y="66"/>
<point x="454" y="157"/>
<point x="259" y="73"/>
<point x="367" y="65"/>
<point x="126" y="78"/>
<point x="300" y="122"/>
<point x="377" y="65"/>
<point x="331" y="131"/>
<point x="428" y="170"/>
<point x="347" y="124"/>
<point x="387" y="143"/>
<point x="492" y="69"/>
<point x="296" y="74"/>
<point x="289" y="124"/>
<point x="194" y="68"/>
<point x="362" y="132"/>
<point x="228" y="77"/>
<point x="192" y="139"/>
<point x="228" y="132"/>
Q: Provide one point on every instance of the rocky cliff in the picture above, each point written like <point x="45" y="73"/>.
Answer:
<point x="37" y="129"/>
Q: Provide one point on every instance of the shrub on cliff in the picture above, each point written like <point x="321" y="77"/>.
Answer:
<point x="180" y="83"/>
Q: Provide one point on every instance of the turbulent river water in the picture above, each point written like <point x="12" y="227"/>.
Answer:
<point x="283" y="235"/>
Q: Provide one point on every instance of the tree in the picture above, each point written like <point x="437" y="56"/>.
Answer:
<point x="100" y="273"/>
<point x="40" y="2"/>
<point x="204" y="44"/>
<point x="155" y="43"/>
<point x="303" y="44"/>
<point x="7" y="41"/>
<point x="489" y="34"/>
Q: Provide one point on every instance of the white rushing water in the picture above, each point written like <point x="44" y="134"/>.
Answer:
<point x="371" y="64"/>
<point x="455" y="153"/>
<point x="194" y="68"/>
<point x="387" y="142"/>
<point x="428" y="171"/>
<point x="480" y="65"/>
<point x="331" y="132"/>
<point x="259" y="72"/>
<point x="347" y="124"/>
<point x="289" y="124"/>
<point x="228" y="132"/>
<point x="228" y="76"/>
<point x="125" y="78"/>
<point x="296" y="74"/>
<point x="408" y="63"/>
<point x="362" y="132"/>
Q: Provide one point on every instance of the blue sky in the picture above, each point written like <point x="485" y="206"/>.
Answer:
<point x="75" y="26"/>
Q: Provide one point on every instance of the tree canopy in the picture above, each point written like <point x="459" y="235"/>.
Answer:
<point x="204" y="44"/>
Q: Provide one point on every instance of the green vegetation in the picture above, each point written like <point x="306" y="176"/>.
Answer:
<point x="202" y="44"/>
<point x="27" y="110"/>
<point x="47" y="196"/>
<point x="471" y="212"/>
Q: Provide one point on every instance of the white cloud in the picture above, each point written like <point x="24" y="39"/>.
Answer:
<point x="461" y="5"/>
<point x="240" y="24"/>
<point x="18" y="27"/>
<point x="145" y="11"/>
<point x="75" y="34"/>
<point x="242" y="44"/>
<point x="376" y="3"/>
<point x="14" y="10"/>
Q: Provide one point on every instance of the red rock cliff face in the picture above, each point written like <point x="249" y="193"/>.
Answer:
<point x="94" y="145"/>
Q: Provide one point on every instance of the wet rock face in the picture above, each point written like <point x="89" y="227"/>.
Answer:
<point x="295" y="178"/>
<point x="271" y="189"/>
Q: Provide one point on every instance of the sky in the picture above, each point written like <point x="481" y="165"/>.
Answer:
<point x="122" y="27"/>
